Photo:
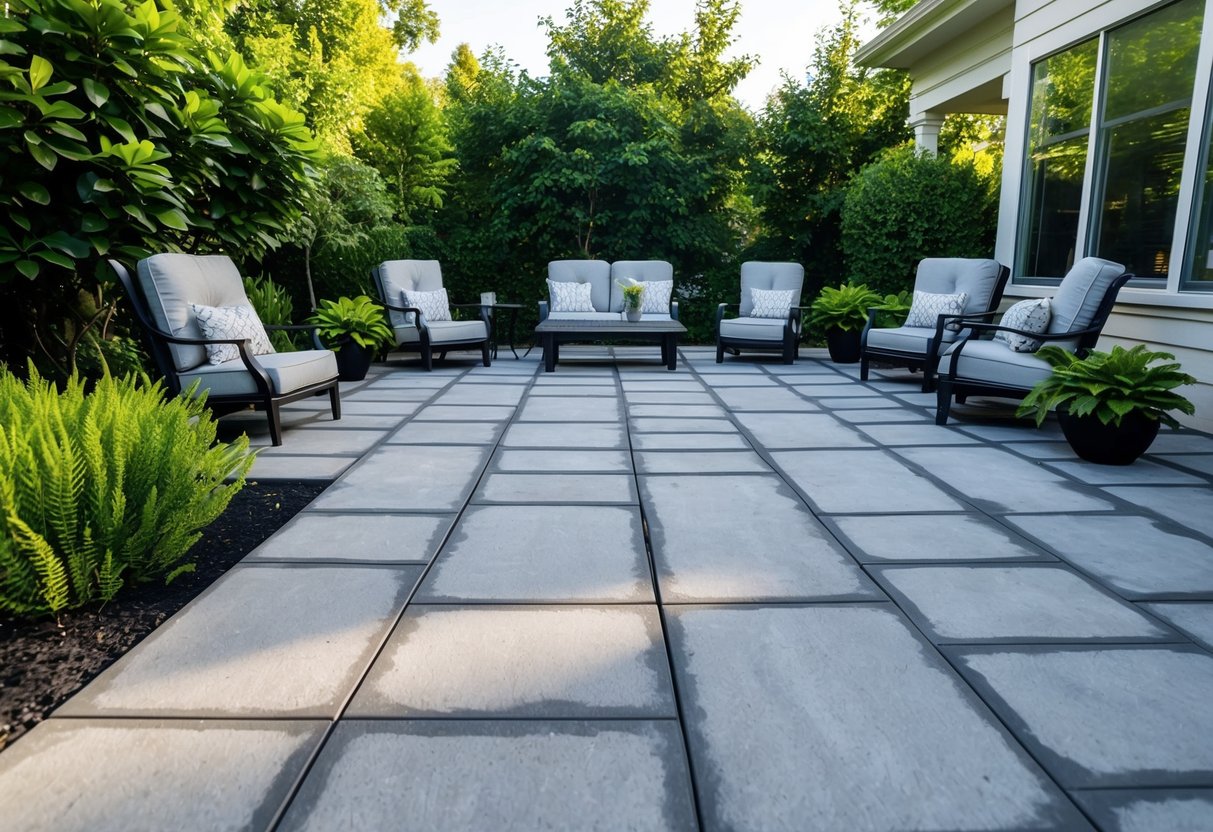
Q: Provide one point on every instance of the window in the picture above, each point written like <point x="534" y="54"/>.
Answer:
<point x="1143" y="129"/>
<point x="1063" y="89"/>
<point x="1200" y="247"/>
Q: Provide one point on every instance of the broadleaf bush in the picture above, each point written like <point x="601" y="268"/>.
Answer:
<point x="274" y="308"/>
<point x="103" y="489"/>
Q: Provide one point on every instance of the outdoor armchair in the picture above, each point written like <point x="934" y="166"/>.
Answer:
<point x="417" y="331"/>
<point x="753" y="332"/>
<point x="919" y="347"/>
<point x="169" y="285"/>
<point x="974" y="365"/>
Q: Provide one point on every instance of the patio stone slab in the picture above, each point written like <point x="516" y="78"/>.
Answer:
<point x="775" y="398"/>
<point x="590" y="554"/>
<point x="795" y="430"/>
<point x="874" y="403"/>
<point x="571" y="390"/>
<point x="478" y="775"/>
<point x="348" y="422"/>
<point x="389" y="394"/>
<point x="582" y="409"/>
<point x="865" y="417"/>
<point x="571" y="380"/>
<point x="1170" y="442"/>
<point x="691" y="411"/>
<point x="701" y="462"/>
<point x="563" y="461"/>
<point x="926" y="537"/>
<point x="742" y="538"/>
<point x="415" y="477"/>
<point x="1131" y="554"/>
<point x="413" y="380"/>
<point x="661" y="386"/>
<point x="502" y="394"/>
<point x="864" y="708"/>
<point x="863" y="481"/>
<point x="592" y="489"/>
<point x="689" y="441"/>
<point x="1108" y="717"/>
<point x="386" y="538"/>
<point x="133" y="775"/>
<point x="1141" y="472"/>
<point x="1013" y="604"/>
<point x="1200" y="463"/>
<point x="1041" y="450"/>
<point x="1190" y="507"/>
<point x="737" y="379"/>
<point x="286" y="467"/>
<point x="521" y="662"/>
<point x="463" y="413"/>
<point x="917" y="435"/>
<point x="668" y="398"/>
<point x="376" y="408"/>
<point x="1149" y="810"/>
<point x="651" y="425"/>
<point x="541" y="435"/>
<point x="328" y="442"/>
<point x="1024" y="430"/>
<point x="836" y="388"/>
<point x="446" y="433"/>
<point x="1000" y="482"/>
<point x="263" y="640"/>
<point x="1194" y="619"/>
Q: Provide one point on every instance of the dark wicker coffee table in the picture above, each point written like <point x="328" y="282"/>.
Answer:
<point x="551" y="334"/>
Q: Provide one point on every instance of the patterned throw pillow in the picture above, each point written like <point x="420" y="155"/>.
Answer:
<point x="927" y="307"/>
<point x="224" y="322"/>
<point x="1030" y="316"/>
<point x="771" y="303"/>
<point x="434" y="305"/>
<point x="570" y="297"/>
<point x="656" y="297"/>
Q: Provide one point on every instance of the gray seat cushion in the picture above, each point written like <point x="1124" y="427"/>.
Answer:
<point x="595" y="272"/>
<point x="950" y="275"/>
<point x="757" y="274"/>
<point x="171" y="282"/>
<point x="1079" y="295"/>
<point x="399" y="276"/>
<point x="995" y="362"/>
<point x="638" y="270"/>
<point x="753" y="329"/>
<point x="288" y="372"/>
<point x="585" y="316"/>
<point x="443" y="332"/>
<point x="908" y="339"/>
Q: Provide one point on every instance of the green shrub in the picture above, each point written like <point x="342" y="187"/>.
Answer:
<point x="274" y="308"/>
<point x="844" y="308"/>
<point x="359" y="319"/>
<point x="103" y="489"/>
<point x="909" y="206"/>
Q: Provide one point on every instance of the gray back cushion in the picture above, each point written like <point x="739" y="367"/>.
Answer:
<point x="952" y="275"/>
<point x="639" y="270"/>
<point x="597" y="273"/>
<point x="397" y="276"/>
<point x="1080" y="293"/>
<point x="759" y="275"/>
<point x="171" y="282"/>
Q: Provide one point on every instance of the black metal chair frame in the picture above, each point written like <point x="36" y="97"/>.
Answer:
<point x="928" y="363"/>
<point x="786" y="346"/>
<point x="949" y="384"/>
<point x="423" y="344"/>
<point x="265" y="398"/>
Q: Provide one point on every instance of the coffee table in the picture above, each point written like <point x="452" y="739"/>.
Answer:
<point x="551" y="334"/>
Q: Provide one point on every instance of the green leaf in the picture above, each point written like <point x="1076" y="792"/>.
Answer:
<point x="173" y="219"/>
<point x="35" y="193"/>
<point x="40" y="71"/>
<point x="28" y="268"/>
<point x="93" y="223"/>
<point x="43" y="155"/>
<point x="56" y="258"/>
<point x="97" y="92"/>
<point x="10" y="118"/>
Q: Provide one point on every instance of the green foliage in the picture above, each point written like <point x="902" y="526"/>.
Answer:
<point x="359" y="319"/>
<point x="844" y="308"/>
<point x="894" y="308"/>
<point x="1110" y="385"/>
<point x="909" y="206"/>
<point x="103" y="489"/>
<point x="273" y="305"/>
<point x="118" y="137"/>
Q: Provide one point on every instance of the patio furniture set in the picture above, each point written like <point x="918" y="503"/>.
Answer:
<point x="204" y="335"/>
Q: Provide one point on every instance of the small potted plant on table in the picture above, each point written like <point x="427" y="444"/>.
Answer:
<point x="354" y="328"/>
<point x="1109" y="405"/>
<point x="841" y="313"/>
<point x="633" y="295"/>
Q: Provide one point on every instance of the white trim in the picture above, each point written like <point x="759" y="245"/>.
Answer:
<point x="1192" y="177"/>
<point x="1093" y="133"/>
<point x="1129" y="296"/>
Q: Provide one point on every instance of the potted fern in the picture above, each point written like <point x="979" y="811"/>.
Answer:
<point x="841" y="313"/>
<point x="354" y="328"/>
<point x="1110" y="404"/>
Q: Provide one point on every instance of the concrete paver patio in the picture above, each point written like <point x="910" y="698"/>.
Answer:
<point x="738" y="596"/>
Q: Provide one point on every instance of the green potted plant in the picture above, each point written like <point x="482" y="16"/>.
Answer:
<point x="354" y="328"/>
<point x="841" y="313"/>
<point x="633" y="293"/>
<point x="1109" y="404"/>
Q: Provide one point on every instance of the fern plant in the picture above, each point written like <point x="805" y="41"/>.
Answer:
<point x="274" y="308"/>
<point x="1110" y="385"/>
<point x="103" y="489"/>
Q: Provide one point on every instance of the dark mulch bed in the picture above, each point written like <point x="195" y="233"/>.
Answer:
<point x="43" y="662"/>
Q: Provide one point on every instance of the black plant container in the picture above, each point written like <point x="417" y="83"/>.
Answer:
<point x="844" y="345"/>
<point x="353" y="361"/>
<point x="1096" y="442"/>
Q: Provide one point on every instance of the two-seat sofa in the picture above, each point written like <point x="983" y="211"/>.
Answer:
<point x="606" y="293"/>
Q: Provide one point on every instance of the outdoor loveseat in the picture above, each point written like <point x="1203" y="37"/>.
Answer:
<point x="604" y="301"/>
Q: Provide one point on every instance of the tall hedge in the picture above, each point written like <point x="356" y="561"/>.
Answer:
<point x="908" y="206"/>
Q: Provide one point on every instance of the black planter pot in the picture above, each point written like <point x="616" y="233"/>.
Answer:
<point x="1094" y="441"/>
<point x="353" y="361"/>
<point x="844" y="346"/>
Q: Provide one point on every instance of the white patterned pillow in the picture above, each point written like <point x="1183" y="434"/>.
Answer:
<point x="434" y="305"/>
<point x="656" y="297"/>
<point x="928" y="306"/>
<point x="225" y="322"/>
<point x="1030" y="316"/>
<point x="771" y="303"/>
<point x="570" y="297"/>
